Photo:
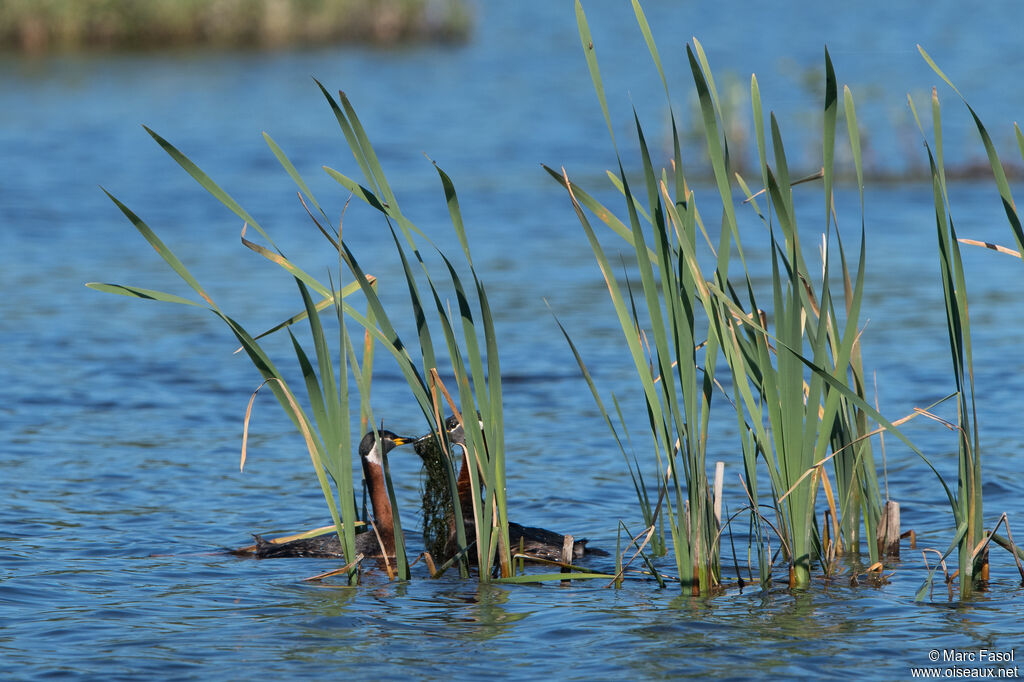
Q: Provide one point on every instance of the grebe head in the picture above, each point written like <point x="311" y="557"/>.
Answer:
<point x="457" y="431"/>
<point x="373" y="451"/>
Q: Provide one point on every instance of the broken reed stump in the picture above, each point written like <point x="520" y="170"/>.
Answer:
<point x="567" y="550"/>
<point x="888" y="532"/>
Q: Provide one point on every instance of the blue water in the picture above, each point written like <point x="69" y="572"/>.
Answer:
<point x="123" y="418"/>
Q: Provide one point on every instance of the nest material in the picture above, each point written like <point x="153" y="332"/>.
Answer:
<point x="438" y="504"/>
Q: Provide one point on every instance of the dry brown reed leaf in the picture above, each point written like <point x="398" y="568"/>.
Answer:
<point x="1013" y="549"/>
<point x="949" y="578"/>
<point x="881" y="429"/>
<point x="435" y="381"/>
<point x="991" y="246"/>
<point x="344" y="569"/>
<point x="649" y="532"/>
<point x="245" y="424"/>
<point x="830" y="498"/>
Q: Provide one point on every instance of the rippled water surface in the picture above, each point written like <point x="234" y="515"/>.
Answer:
<point x="119" y="470"/>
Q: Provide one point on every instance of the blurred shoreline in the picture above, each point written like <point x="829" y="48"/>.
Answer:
<point x="34" y="27"/>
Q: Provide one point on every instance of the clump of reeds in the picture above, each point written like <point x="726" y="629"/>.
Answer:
<point x="469" y="349"/>
<point x="796" y="376"/>
<point x="41" y="25"/>
<point x="328" y="434"/>
<point x="971" y="540"/>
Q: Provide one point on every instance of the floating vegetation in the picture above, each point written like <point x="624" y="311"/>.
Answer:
<point x="45" y="25"/>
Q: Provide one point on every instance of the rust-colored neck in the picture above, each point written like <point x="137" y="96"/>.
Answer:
<point x="463" y="484"/>
<point x="382" y="517"/>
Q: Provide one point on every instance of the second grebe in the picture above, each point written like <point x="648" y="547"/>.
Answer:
<point x="438" y="512"/>
<point x="372" y="453"/>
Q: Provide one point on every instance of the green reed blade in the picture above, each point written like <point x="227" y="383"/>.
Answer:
<point x="936" y="69"/>
<point x="829" y="139"/>
<point x="1020" y="139"/>
<point x="347" y="290"/>
<point x="401" y="560"/>
<point x="496" y="420"/>
<point x="208" y="184"/>
<point x="469" y="333"/>
<point x="625" y="318"/>
<point x="969" y="507"/>
<point x="718" y="153"/>
<point x="356" y="189"/>
<point x="138" y="292"/>
<point x="336" y="455"/>
<point x="587" y="41"/>
<point x="997" y="168"/>
<point x="286" y="264"/>
<point x="366" y="195"/>
<point x="637" y="205"/>
<point x="645" y="29"/>
<point x="710" y="78"/>
<point x="453" y="210"/>
<point x="598" y="209"/>
<point x="386" y="332"/>
<point x="592" y="386"/>
<point x="755" y="103"/>
<point x="350" y="137"/>
<point x="651" y="289"/>
<point x="369" y="154"/>
<point x="783" y="194"/>
<point x="636" y="476"/>
<point x="422" y="329"/>
<point x="416" y="380"/>
<point x="162" y="249"/>
<point x="335" y="421"/>
<point x="293" y="173"/>
<point x="283" y="393"/>
<point x="316" y="398"/>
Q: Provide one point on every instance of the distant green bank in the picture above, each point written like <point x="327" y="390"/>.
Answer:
<point x="45" y="25"/>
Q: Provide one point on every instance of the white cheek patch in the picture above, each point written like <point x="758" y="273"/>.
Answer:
<point x="373" y="457"/>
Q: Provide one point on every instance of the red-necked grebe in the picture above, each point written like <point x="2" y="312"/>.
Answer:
<point x="537" y="542"/>
<point x="372" y="453"/>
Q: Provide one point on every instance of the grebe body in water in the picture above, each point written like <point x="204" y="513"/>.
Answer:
<point x="372" y="454"/>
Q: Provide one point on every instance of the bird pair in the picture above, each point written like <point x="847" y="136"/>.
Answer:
<point x="438" y="512"/>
